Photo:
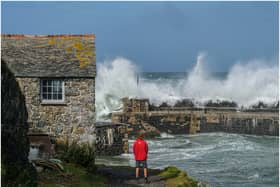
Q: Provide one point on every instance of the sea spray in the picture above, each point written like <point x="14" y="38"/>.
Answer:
<point x="245" y="83"/>
<point x="115" y="79"/>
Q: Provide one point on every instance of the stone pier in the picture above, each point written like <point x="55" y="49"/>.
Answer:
<point x="191" y="120"/>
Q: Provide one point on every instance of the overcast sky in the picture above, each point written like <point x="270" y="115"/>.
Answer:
<point x="157" y="36"/>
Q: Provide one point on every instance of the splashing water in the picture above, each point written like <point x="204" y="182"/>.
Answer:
<point x="220" y="159"/>
<point x="245" y="83"/>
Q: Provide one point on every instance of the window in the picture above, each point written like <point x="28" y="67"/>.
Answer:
<point x="52" y="91"/>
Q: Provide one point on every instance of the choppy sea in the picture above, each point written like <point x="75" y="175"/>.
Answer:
<point x="220" y="159"/>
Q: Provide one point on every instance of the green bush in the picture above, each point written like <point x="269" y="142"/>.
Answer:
<point x="80" y="154"/>
<point x="18" y="174"/>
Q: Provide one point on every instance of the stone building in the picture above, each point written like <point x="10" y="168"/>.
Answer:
<point x="56" y="74"/>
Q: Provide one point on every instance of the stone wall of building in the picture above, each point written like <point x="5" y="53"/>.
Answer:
<point x="112" y="139"/>
<point x="15" y="168"/>
<point x="74" y="119"/>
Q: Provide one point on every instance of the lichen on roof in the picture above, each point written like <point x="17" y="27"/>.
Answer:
<point x="58" y="55"/>
<point x="84" y="53"/>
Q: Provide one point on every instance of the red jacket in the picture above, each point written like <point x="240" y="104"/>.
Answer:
<point x="140" y="149"/>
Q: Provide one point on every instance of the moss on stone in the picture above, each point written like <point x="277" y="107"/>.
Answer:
<point x="170" y="172"/>
<point x="177" y="178"/>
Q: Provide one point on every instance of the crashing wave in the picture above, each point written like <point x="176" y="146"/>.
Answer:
<point x="245" y="85"/>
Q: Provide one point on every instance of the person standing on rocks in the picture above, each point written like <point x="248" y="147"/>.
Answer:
<point x="140" y="150"/>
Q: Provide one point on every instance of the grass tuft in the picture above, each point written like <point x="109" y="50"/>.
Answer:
<point x="177" y="178"/>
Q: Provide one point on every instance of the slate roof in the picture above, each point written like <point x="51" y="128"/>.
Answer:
<point x="50" y="55"/>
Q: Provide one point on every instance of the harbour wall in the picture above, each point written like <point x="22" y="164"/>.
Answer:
<point x="191" y="120"/>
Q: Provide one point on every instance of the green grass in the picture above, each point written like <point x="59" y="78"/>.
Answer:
<point x="177" y="178"/>
<point x="74" y="175"/>
<point x="78" y="176"/>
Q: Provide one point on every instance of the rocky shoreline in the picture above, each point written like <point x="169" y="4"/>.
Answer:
<point x="70" y="174"/>
<point x="119" y="176"/>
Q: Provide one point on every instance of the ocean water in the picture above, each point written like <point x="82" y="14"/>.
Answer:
<point x="220" y="159"/>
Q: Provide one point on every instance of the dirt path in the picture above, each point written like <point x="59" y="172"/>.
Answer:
<point x="125" y="177"/>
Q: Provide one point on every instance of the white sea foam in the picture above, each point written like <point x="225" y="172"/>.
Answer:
<point x="253" y="177"/>
<point x="246" y="84"/>
<point x="166" y="135"/>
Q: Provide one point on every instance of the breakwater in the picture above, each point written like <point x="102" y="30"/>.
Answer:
<point x="191" y="120"/>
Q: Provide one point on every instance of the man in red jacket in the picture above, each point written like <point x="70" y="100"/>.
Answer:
<point x="140" y="150"/>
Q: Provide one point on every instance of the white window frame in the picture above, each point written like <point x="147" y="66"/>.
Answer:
<point x="52" y="101"/>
